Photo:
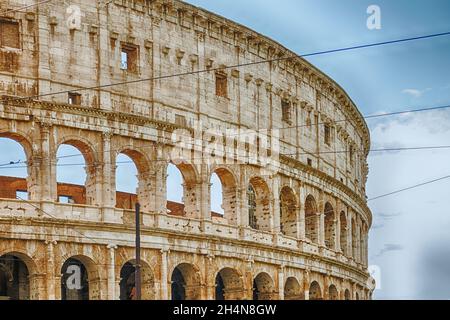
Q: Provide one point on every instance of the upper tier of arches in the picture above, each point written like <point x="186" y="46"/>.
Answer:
<point x="278" y="204"/>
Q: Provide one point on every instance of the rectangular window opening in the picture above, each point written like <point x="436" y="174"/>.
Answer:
<point x="286" y="111"/>
<point x="129" y="58"/>
<point x="180" y="120"/>
<point x="22" y="195"/>
<point x="9" y="34"/>
<point x="351" y="155"/>
<point x="308" y="120"/>
<point x="327" y="134"/>
<point x="65" y="199"/>
<point x="124" y="60"/>
<point x="74" y="98"/>
<point x="221" y="85"/>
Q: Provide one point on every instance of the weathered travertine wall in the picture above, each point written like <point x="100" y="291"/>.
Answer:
<point x="309" y="235"/>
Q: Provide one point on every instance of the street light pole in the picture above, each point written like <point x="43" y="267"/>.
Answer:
<point x="138" y="283"/>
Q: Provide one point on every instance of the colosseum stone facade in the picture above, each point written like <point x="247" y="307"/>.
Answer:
<point x="297" y="232"/>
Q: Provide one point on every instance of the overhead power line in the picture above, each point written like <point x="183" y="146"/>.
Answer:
<point x="409" y="188"/>
<point x="443" y="147"/>
<point x="369" y="45"/>
<point x="366" y="117"/>
<point x="373" y="116"/>
<point x="371" y="199"/>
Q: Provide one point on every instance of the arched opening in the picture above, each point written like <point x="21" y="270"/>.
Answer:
<point x="263" y="287"/>
<point x="14" y="278"/>
<point x="347" y="295"/>
<point x="174" y="185"/>
<point x="14" y="174"/>
<point x="315" y="293"/>
<point x="311" y="220"/>
<point x="288" y="212"/>
<point x="366" y="243"/>
<point x="362" y="244"/>
<point x="251" y="203"/>
<point x="229" y="285"/>
<point x="354" y="241"/>
<point x="182" y="191"/>
<point x="178" y="285"/>
<point x="75" y="173"/>
<point x="127" y="182"/>
<point x="217" y="195"/>
<point x="330" y="232"/>
<point x="128" y="280"/>
<point x="333" y="293"/>
<point x="74" y="280"/>
<point x="292" y="289"/>
<point x="258" y="197"/>
<point x="343" y="236"/>
<point x="356" y="296"/>
<point x="223" y="195"/>
<point x="132" y="180"/>
<point x="186" y="283"/>
<point x="220" y="288"/>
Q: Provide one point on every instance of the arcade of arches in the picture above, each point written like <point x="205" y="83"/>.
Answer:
<point x="18" y="281"/>
<point x="299" y="212"/>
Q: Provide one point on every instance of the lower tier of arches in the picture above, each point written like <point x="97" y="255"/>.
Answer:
<point x="61" y="270"/>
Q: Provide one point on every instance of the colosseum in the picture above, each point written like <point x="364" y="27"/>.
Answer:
<point x="94" y="75"/>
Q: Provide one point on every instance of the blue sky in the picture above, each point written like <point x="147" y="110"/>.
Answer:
<point x="409" y="240"/>
<point x="307" y="26"/>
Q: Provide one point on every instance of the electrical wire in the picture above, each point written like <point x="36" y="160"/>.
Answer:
<point x="163" y="77"/>
<point x="410" y="188"/>
<point x="359" y="151"/>
<point x="401" y="149"/>
<point x="325" y="212"/>
<point x="372" y="116"/>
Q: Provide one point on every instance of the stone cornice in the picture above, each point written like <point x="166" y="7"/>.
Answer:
<point x="100" y="113"/>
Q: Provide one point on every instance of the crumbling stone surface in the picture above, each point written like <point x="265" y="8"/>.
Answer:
<point x="303" y="235"/>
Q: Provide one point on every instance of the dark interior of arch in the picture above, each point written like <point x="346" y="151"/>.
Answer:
<point x="14" y="279"/>
<point x="74" y="280"/>
<point x="220" y="287"/>
<point x="178" y="285"/>
<point x="127" y="281"/>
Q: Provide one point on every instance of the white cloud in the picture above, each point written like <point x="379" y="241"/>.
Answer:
<point x="390" y="247"/>
<point x="412" y="219"/>
<point x="415" y="93"/>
